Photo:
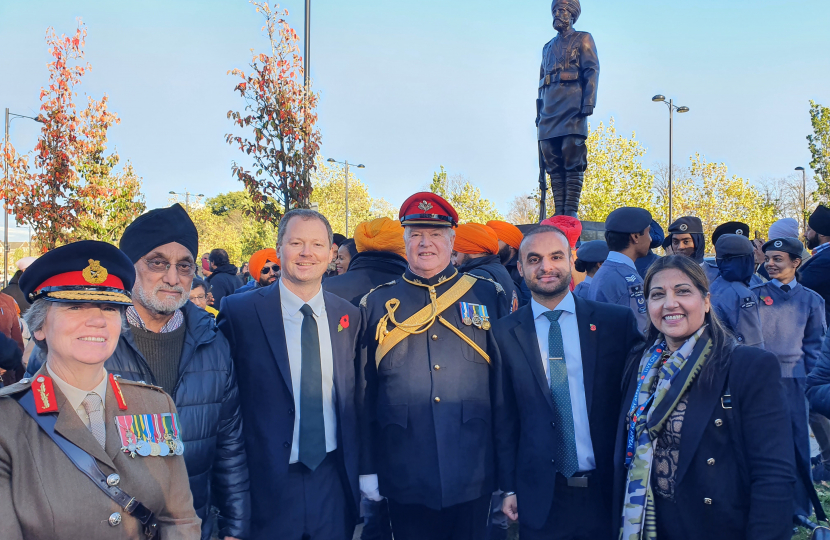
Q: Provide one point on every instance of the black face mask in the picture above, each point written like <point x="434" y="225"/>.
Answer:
<point x="737" y="268"/>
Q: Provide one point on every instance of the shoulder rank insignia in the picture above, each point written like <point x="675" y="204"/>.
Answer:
<point x="499" y="288"/>
<point x="44" y="395"/>
<point x="366" y="296"/>
<point x="119" y="396"/>
<point x="631" y="279"/>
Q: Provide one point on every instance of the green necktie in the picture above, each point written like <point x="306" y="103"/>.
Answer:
<point x="566" y="459"/>
<point x="312" y="424"/>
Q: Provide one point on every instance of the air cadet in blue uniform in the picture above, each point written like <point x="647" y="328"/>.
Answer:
<point x="686" y="238"/>
<point x="730" y="227"/>
<point x="618" y="282"/>
<point x="792" y="317"/>
<point x="426" y="353"/>
<point x="589" y="258"/>
<point x="657" y="237"/>
<point x="735" y="304"/>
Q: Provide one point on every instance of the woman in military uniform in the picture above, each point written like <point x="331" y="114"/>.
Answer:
<point x="73" y="416"/>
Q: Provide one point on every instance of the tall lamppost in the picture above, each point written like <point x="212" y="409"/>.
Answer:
<point x="803" y="198"/>
<point x="9" y="117"/>
<point x="346" y="163"/>
<point x="186" y="196"/>
<point x="672" y="108"/>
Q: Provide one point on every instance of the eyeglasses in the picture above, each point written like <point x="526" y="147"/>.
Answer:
<point x="270" y="269"/>
<point x="160" y="266"/>
<point x="199" y="297"/>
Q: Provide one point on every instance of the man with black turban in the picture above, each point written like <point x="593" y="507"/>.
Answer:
<point x="171" y="343"/>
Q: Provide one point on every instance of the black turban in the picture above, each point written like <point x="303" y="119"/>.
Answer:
<point x="158" y="227"/>
<point x="820" y="220"/>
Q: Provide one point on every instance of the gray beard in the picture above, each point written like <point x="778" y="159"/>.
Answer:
<point x="152" y="303"/>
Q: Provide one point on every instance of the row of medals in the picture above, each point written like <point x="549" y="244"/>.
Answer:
<point x="168" y="447"/>
<point x="478" y="321"/>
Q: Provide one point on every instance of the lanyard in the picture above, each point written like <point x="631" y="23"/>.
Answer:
<point x="634" y="412"/>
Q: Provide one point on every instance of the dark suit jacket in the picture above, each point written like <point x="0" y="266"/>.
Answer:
<point x="367" y="270"/>
<point x="815" y="275"/>
<point x="526" y="435"/>
<point x="751" y="484"/>
<point x="252" y="322"/>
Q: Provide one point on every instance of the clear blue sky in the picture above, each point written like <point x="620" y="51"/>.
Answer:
<point x="408" y="86"/>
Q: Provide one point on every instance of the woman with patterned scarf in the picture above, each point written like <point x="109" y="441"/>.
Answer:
<point x="705" y="446"/>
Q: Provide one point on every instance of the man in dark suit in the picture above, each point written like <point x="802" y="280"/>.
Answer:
<point x="815" y="272"/>
<point x="557" y="417"/>
<point x="293" y="346"/>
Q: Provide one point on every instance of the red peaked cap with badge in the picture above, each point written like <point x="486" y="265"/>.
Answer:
<point x="428" y="210"/>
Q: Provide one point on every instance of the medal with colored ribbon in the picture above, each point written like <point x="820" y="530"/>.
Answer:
<point x="158" y="429"/>
<point x="142" y="447"/>
<point x="466" y="316"/>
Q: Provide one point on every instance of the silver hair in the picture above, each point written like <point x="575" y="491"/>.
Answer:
<point x="305" y="214"/>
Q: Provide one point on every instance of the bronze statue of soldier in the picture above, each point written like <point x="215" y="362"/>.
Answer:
<point x="567" y="96"/>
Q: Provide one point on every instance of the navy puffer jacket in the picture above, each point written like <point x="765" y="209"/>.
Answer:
<point x="207" y="400"/>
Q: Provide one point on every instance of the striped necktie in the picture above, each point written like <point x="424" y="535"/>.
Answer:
<point x="92" y="406"/>
<point x="566" y="458"/>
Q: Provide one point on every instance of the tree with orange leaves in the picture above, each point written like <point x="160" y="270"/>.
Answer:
<point x="72" y="176"/>
<point x="281" y="113"/>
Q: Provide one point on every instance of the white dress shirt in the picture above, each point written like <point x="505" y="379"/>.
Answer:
<point x="292" y="320"/>
<point x="576" y="380"/>
<point x="75" y="396"/>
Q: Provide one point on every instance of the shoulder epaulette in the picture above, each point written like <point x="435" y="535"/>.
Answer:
<point x="365" y="296"/>
<point x="499" y="288"/>
<point x="122" y="380"/>
<point x="21" y="386"/>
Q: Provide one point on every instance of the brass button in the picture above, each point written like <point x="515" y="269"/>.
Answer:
<point x="707" y="500"/>
<point x="434" y="337"/>
<point x="114" y="520"/>
<point x="437" y="400"/>
<point x="710" y="461"/>
<point x="718" y="422"/>
<point x="437" y="367"/>
<point x="113" y="480"/>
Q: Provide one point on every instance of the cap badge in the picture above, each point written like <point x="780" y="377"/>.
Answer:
<point x="739" y="231"/>
<point x="425" y="206"/>
<point x="95" y="273"/>
<point x="778" y="243"/>
<point x="683" y="227"/>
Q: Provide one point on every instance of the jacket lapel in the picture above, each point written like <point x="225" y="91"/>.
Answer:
<point x="525" y="333"/>
<point x="587" y="346"/>
<point x="270" y="317"/>
<point x="338" y="346"/>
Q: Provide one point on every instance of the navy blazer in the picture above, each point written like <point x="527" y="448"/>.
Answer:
<point x="252" y="322"/>
<point x="736" y="473"/>
<point x="815" y="275"/>
<point x="526" y="434"/>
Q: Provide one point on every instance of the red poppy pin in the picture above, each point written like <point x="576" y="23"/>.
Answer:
<point x="593" y="328"/>
<point x="767" y="300"/>
<point x="344" y="323"/>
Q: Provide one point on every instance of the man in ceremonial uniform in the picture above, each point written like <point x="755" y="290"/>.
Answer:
<point x="567" y="96"/>
<point x="426" y="353"/>
<point x="617" y="281"/>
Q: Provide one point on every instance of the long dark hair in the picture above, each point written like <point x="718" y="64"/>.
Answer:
<point x="723" y="342"/>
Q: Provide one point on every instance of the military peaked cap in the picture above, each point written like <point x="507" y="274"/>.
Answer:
<point x="428" y="209"/>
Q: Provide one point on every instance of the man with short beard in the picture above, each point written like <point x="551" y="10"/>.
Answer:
<point x="815" y="272"/>
<point x="559" y="362"/>
<point x="171" y="343"/>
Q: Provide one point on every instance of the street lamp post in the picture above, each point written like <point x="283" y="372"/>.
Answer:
<point x="186" y="195"/>
<point x="803" y="198"/>
<point x="346" y="163"/>
<point x="9" y="117"/>
<point x="672" y="108"/>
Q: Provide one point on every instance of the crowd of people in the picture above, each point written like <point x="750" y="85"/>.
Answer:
<point x="429" y="379"/>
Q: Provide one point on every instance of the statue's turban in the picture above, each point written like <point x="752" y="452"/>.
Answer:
<point x="572" y="6"/>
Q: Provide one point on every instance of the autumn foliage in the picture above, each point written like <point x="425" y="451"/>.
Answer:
<point x="69" y="192"/>
<point x="279" y="118"/>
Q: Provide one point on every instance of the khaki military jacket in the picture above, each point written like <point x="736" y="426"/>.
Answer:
<point x="43" y="495"/>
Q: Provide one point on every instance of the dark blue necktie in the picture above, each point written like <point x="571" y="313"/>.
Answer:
<point x="785" y="288"/>
<point x="566" y="458"/>
<point x="312" y="426"/>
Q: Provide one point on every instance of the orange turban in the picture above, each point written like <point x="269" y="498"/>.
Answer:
<point x="473" y="238"/>
<point x="381" y="234"/>
<point x="258" y="260"/>
<point x="507" y="233"/>
<point x="571" y="226"/>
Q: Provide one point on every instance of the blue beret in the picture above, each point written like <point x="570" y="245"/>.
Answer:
<point x="628" y="219"/>
<point x="657" y="235"/>
<point x="594" y="251"/>
<point x="733" y="245"/>
<point x="86" y="271"/>
<point x="686" y="225"/>
<point x="158" y="227"/>
<point x="792" y="246"/>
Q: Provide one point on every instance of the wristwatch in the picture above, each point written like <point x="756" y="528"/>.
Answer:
<point x="507" y="494"/>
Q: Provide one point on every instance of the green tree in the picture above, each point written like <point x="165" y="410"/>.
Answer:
<point x="819" y="144"/>
<point x="615" y="176"/>
<point x="464" y="197"/>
